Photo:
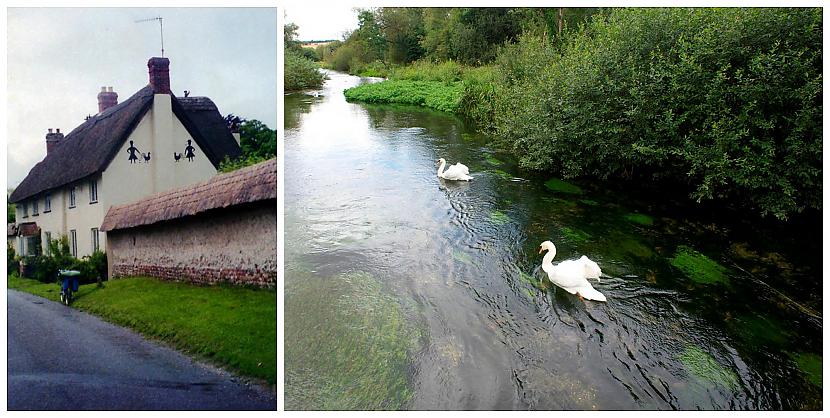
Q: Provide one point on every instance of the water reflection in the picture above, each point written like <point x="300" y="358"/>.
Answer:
<point x="441" y="283"/>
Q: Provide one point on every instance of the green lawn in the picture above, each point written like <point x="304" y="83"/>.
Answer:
<point x="234" y="327"/>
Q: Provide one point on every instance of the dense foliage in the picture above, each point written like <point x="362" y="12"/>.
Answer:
<point x="301" y="70"/>
<point x="45" y="267"/>
<point x="258" y="143"/>
<point x="725" y="101"/>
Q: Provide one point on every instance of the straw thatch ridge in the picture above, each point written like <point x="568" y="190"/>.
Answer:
<point x="246" y="185"/>
<point x="90" y="147"/>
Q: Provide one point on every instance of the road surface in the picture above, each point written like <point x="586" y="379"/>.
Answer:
<point x="63" y="359"/>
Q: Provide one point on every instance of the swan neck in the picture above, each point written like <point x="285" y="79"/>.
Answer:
<point x="441" y="167"/>
<point x="547" y="260"/>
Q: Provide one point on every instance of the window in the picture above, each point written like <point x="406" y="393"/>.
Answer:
<point x="48" y="241"/>
<point x="47" y="203"/>
<point x="34" y="208"/>
<point x="25" y="210"/>
<point x="93" y="191"/>
<point x="73" y="238"/>
<point x="94" y="239"/>
<point x="72" y="197"/>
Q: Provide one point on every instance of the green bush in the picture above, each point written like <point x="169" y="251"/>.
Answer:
<point x="727" y="101"/>
<point x="12" y="262"/>
<point x="301" y="73"/>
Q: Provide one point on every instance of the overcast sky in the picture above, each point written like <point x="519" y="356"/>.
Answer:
<point x="316" y="25"/>
<point x="58" y="59"/>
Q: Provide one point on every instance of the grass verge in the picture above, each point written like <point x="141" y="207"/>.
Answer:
<point x="231" y="326"/>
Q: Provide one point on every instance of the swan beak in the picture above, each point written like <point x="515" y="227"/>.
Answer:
<point x="541" y="250"/>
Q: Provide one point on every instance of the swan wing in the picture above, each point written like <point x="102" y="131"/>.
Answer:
<point x="454" y="172"/>
<point x="462" y="168"/>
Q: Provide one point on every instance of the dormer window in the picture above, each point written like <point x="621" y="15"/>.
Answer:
<point x="71" y="197"/>
<point x="34" y="208"/>
<point x="47" y="203"/>
<point x="93" y="191"/>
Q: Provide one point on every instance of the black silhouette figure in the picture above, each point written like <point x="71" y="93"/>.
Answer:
<point x="186" y="93"/>
<point x="189" y="151"/>
<point x="132" y="150"/>
<point x="146" y="157"/>
<point x="177" y="156"/>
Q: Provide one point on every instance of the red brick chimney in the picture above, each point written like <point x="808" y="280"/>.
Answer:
<point x="52" y="139"/>
<point x="159" y="75"/>
<point x="106" y="99"/>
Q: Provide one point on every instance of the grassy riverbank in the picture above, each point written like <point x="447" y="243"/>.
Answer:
<point x="234" y="327"/>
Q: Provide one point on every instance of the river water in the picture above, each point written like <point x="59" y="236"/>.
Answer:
<point x="404" y="291"/>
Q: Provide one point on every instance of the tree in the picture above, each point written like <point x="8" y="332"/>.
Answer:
<point x="10" y="207"/>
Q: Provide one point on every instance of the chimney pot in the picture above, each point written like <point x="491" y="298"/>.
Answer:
<point x="58" y="130"/>
<point x="159" y="69"/>
<point x="106" y="99"/>
<point x="50" y="130"/>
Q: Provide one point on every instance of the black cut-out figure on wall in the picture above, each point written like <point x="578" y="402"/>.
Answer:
<point x="177" y="156"/>
<point x="189" y="151"/>
<point x="132" y="150"/>
<point x="146" y="157"/>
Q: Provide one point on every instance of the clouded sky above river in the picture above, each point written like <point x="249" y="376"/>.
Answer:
<point x="59" y="58"/>
<point x="317" y="25"/>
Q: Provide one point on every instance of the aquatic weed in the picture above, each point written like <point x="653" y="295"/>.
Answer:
<point x="557" y="185"/>
<point x="703" y="366"/>
<point x="810" y="366"/>
<point x="699" y="267"/>
<point x="639" y="218"/>
<point x="498" y="217"/>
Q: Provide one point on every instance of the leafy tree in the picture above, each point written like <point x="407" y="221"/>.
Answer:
<point x="258" y="142"/>
<point x="10" y="207"/>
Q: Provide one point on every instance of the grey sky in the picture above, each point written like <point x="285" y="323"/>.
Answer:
<point x="317" y="24"/>
<point x="59" y="58"/>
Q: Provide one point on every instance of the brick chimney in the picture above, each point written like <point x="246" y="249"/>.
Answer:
<point x="159" y="75"/>
<point x="106" y="99"/>
<point x="52" y="139"/>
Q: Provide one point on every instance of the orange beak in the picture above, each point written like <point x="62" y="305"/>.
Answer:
<point x="541" y="250"/>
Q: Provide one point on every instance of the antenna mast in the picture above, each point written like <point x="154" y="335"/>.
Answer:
<point x="161" y="29"/>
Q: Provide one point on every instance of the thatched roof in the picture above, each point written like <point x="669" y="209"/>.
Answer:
<point x="246" y="185"/>
<point x="90" y="147"/>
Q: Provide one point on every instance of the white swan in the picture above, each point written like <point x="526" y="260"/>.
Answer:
<point x="572" y="275"/>
<point x="457" y="171"/>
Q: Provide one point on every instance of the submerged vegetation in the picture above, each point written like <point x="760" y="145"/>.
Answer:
<point x="699" y="267"/>
<point x="357" y="356"/>
<point x="722" y="103"/>
<point x="704" y="367"/>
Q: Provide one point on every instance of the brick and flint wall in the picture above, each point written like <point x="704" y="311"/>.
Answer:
<point x="236" y="245"/>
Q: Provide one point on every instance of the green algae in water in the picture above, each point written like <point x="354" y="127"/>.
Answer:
<point x="699" y="267"/>
<point x="703" y="366"/>
<point x="462" y="257"/>
<point x="503" y="174"/>
<point x="639" y="218"/>
<point x="498" y="217"/>
<point x="589" y="202"/>
<point x="575" y="235"/>
<point x="810" y="365"/>
<point x="759" y="329"/>
<point x="493" y="160"/>
<point x="542" y="285"/>
<point x="348" y="344"/>
<point x="557" y="185"/>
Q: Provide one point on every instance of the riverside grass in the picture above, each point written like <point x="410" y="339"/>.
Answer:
<point x="232" y="326"/>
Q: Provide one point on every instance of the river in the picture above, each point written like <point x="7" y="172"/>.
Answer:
<point x="404" y="291"/>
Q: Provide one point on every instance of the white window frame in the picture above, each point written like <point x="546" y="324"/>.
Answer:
<point x="95" y="239"/>
<point x="71" y="197"/>
<point x="47" y="203"/>
<point x="93" y="191"/>
<point x="73" y="242"/>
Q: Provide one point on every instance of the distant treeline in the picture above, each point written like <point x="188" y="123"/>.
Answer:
<point x="725" y="103"/>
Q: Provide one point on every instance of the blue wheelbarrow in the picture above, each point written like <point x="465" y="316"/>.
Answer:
<point x="69" y="284"/>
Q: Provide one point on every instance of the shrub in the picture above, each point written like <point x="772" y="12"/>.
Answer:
<point x="12" y="262"/>
<point x="726" y="100"/>
<point x="301" y="73"/>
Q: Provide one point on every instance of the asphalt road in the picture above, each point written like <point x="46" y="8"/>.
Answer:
<point x="63" y="359"/>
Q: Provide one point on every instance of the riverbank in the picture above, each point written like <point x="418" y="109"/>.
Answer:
<point x="234" y="327"/>
<point x="707" y="100"/>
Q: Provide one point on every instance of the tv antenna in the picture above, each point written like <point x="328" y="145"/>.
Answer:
<point x="161" y="29"/>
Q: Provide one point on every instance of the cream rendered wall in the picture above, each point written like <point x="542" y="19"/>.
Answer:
<point x="161" y="134"/>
